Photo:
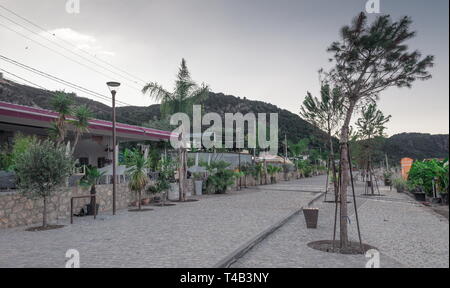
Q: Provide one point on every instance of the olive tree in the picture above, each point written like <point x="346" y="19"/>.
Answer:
<point x="325" y="113"/>
<point x="42" y="169"/>
<point x="368" y="59"/>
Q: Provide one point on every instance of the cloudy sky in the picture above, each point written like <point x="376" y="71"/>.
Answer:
<point x="259" y="49"/>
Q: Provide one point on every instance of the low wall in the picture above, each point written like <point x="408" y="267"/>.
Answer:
<point x="17" y="210"/>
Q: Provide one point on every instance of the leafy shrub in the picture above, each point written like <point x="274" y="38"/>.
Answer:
<point x="423" y="173"/>
<point x="272" y="170"/>
<point x="5" y="159"/>
<point x="387" y="175"/>
<point x="400" y="184"/>
<point x="220" y="178"/>
<point x="304" y="167"/>
<point x="21" y="144"/>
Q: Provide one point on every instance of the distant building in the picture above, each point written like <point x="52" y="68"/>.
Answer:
<point x="94" y="148"/>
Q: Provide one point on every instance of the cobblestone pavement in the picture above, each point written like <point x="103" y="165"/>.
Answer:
<point x="406" y="233"/>
<point x="195" y="234"/>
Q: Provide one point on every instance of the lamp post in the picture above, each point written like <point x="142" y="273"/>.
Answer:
<point x="113" y="87"/>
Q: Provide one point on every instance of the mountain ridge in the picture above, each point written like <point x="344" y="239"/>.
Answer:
<point x="414" y="145"/>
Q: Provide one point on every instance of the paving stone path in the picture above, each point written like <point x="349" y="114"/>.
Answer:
<point x="196" y="234"/>
<point x="406" y="233"/>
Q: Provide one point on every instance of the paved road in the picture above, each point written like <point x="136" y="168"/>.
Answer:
<point x="406" y="233"/>
<point x="196" y="234"/>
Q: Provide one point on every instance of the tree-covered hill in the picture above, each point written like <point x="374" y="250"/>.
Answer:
<point x="414" y="145"/>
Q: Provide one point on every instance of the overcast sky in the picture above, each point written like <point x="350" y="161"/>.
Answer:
<point x="259" y="49"/>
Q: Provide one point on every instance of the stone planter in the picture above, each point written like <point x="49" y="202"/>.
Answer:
<point x="420" y="196"/>
<point x="400" y="190"/>
<point x="188" y="192"/>
<point x="444" y="198"/>
<point x="311" y="217"/>
<point x="198" y="187"/>
<point x="174" y="192"/>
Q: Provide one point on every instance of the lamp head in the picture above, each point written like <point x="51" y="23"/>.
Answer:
<point x="113" y="86"/>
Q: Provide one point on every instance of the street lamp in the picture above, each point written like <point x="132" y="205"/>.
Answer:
<point x="113" y="87"/>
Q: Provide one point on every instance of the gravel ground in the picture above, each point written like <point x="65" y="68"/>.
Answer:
<point x="196" y="234"/>
<point x="406" y="233"/>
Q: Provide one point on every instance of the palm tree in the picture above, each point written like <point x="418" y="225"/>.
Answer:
<point x="137" y="164"/>
<point x="185" y="94"/>
<point x="90" y="179"/>
<point x="61" y="103"/>
<point x="82" y="115"/>
<point x="273" y="170"/>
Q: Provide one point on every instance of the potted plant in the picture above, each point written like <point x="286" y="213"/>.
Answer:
<point x="220" y="178"/>
<point x="151" y="191"/>
<point x="91" y="179"/>
<point x="165" y="180"/>
<point x="416" y="189"/>
<point x="444" y="197"/>
<point x="238" y="176"/>
<point x="400" y="185"/>
<point x="285" y="169"/>
<point x="387" y="178"/>
<point x="198" y="183"/>
<point x="273" y="170"/>
<point x="136" y="169"/>
<point x="443" y="181"/>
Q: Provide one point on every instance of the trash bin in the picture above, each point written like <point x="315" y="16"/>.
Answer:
<point x="311" y="217"/>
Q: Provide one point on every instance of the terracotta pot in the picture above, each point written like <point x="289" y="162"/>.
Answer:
<point x="145" y="201"/>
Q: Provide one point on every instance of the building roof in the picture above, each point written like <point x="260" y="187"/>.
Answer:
<point x="37" y="117"/>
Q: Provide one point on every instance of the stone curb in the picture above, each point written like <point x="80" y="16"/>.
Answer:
<point x="245" y="248"/>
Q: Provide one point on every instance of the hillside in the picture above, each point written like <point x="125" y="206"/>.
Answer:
<point x="289" y="123"/>
<point x="414" y="145"/>
<point x="417" y="146"/>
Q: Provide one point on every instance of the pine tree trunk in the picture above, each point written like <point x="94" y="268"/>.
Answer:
<point x="44" y="213"/>
<point x="345" y="177"/>
<point x="333" y="165"/>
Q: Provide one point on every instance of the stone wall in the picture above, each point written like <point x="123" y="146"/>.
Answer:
<point x="17" y="210"/>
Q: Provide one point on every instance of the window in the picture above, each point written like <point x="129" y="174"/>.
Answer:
<point x="101" y="162"/>
<point x="84" y="161"/>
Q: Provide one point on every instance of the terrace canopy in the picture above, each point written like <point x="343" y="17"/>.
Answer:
<point x="95" y="147"/>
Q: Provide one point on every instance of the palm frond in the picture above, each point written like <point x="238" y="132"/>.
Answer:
<point x="156" y="91"/>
